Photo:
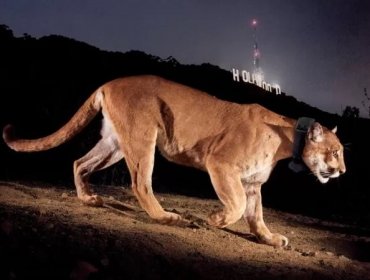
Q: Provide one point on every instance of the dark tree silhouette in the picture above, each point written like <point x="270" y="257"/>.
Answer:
<point x="5" y="32"/>
<point x="351" y="112"/>
<point x="366" y="102"/>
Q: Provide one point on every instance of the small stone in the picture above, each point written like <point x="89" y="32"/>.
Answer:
<point x="111" y="198"/>
<point x="329" y="253"/>
<point x="298" y="250"/>
<point x="309" y="254"/>
<point x="313" y="254"/>
<point x="288" y="248"/>
<point x="64" y="195"/>
<point x="342" y="257"/>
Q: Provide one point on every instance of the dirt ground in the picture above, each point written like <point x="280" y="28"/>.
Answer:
<point x="46" y="233"/>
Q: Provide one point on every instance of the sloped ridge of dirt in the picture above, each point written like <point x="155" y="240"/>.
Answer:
<point x="46" y="233"/>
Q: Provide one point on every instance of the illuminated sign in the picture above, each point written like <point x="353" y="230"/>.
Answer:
<point x="255" y="78"/>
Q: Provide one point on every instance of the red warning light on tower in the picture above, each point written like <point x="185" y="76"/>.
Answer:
<point x="256" y="76"/>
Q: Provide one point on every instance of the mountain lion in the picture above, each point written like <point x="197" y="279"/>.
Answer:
<point x="238" y="145"/>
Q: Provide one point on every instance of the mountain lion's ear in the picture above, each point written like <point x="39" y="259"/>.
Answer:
<point x="334" y="130"/>
<point x="316" y="133"/>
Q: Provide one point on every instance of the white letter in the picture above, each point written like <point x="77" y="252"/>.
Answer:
<point x="254" y="78"/>
<point x="268" y="87"/>
<point x="257" y="79"/>
<point x="264" y="85"/>
<point x="235" y="74"/>
<point x="246" y="76"/>
<point x="277" y="89"/>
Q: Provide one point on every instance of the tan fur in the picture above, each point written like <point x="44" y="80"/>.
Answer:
<point x="238" y="145"/>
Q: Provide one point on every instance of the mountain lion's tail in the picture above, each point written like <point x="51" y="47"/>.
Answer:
<point x="80" y="120"/>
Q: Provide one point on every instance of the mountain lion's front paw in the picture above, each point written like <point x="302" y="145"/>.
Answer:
<point x="274" y="239"/>
<point x="169" y="218"/>
<point x="92" y="200"/>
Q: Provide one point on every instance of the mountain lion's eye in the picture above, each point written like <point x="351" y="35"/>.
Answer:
<point x="335" y="154"/>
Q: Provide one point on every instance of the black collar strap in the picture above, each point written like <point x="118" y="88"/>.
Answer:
<point x="301" y="129"/>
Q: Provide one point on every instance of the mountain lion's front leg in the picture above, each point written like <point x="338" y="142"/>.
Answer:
<point x="229" y="190"/>
<point x="253" y="215"/>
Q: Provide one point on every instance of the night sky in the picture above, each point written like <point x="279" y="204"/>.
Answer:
<point x="317" y="50"/>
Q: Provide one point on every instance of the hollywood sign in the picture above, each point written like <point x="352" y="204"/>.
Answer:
<point x="256" y="79"/>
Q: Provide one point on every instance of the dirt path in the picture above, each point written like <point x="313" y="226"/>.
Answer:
<point x="46" y="233"/>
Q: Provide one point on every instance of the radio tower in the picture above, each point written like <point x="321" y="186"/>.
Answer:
<point x="257" y="71"/>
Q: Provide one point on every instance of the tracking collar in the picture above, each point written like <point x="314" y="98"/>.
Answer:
<point x="301" y="129"/>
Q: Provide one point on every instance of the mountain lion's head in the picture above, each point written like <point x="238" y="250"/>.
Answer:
<point x="323" y="153"/>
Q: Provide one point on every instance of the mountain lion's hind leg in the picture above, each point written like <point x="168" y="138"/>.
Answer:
<point x="139" y="150"/>
<point x="105" y="153"/>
